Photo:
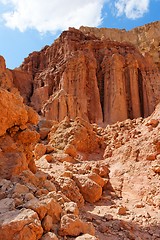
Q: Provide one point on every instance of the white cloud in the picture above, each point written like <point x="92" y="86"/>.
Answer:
<point x="55" y="15"/>
<point x="132" y="8"/>
<point x="52" y="15"/>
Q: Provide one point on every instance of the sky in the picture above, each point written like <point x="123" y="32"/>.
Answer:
<point x="29" y="25"/>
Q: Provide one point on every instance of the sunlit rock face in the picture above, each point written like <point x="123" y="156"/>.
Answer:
<point x="146" y="38"/>
<point x="93" y="73"/>
<point x="17" y="138"/>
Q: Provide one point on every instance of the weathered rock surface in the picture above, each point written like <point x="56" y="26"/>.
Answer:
<point x="70" y="190"/>
<point x="45" y="207"/>
<point x="24" y="82"/>
<point x="90" y="69"/>
<point x="90" y="190"/>
<point x="71" y="225"/>
<point x="16" y="138"/>
<point x="146" y="38"/>
<point x="76" y="138"/>
<point x="20" y="225"/>
<point x="6" y="79"/>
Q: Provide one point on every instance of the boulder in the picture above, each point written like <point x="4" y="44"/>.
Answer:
<point x="47" y="223"/>
<point x="71" y="208"/>
<point x="70" y="190"/>
<point x="39" y="150"/>
<point x="6" y="204"/>
<point x="20" y="224"/>
<point x="47" y="206"/>
<point x="90" y="190"/>
<point x="71" y="225"/>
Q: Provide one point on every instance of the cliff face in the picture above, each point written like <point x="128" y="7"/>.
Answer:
<point x="85" y="74"/>
<point x="146" y="38"/>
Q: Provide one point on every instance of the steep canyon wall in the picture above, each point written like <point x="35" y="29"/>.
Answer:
<point x="87" y="74"/>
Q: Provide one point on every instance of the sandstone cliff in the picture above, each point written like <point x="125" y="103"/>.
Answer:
<point x="146" y="38"/>
<point x="85" y="74"/>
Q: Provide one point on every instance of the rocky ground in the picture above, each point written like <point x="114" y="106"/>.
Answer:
<point x="89" y="183"/>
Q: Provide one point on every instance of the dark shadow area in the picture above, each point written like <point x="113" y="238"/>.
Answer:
<point x="140" y="88"/>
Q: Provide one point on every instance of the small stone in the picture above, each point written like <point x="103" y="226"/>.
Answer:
<point x="153" y="122"/>
<point x="49" y="148"/>
<point x="71" y="225"/>
<point x="49" y="158"/>
<point x="122" y="210"/>
<point x="71" y="150"/>
<point x="20" y="189"/>
<point x="49" y="236"/>
<point x="139" y="205"/>
<point x="47" y="223"/>
<point x="49" y="186"/>
<point x="41" y="192"/>
<point x="67" y="174"/>
<point x="151" y="157"/>
<point x="18" y="202"/>
<point x="156" y="169"/>
<point x="43" y="133"/>
<point x="71" y="207"/>
<point x="29" y="196"/>
<point x="40" y="150"/>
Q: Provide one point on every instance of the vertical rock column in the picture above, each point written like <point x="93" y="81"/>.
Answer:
<point x="115" y="107"/>
<point x="134" y="88"/>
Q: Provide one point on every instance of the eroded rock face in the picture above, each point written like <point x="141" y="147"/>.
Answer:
<point x="17" y="138"/>
<point x="96" y="78"/>
<point x="146" y="37"/>
<point x="6" y="79"/>
<point x="24" y="82"/>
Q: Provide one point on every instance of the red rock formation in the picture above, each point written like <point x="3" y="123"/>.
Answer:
<point x="6" y="79"/>
<point x="17" y="137"/>
<point x="23" y="81"/>
<point x="99" y="80"/>
<point x="146" y="38"/>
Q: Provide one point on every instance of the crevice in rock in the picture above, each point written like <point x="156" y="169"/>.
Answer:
<point x="101" y="91"/>
<point x="140" y="90"/>
<point x="128" y="94"/>
<point x="100" y="80"/>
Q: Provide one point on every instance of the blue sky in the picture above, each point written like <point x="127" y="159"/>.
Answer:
<point x="29" y="25"/>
